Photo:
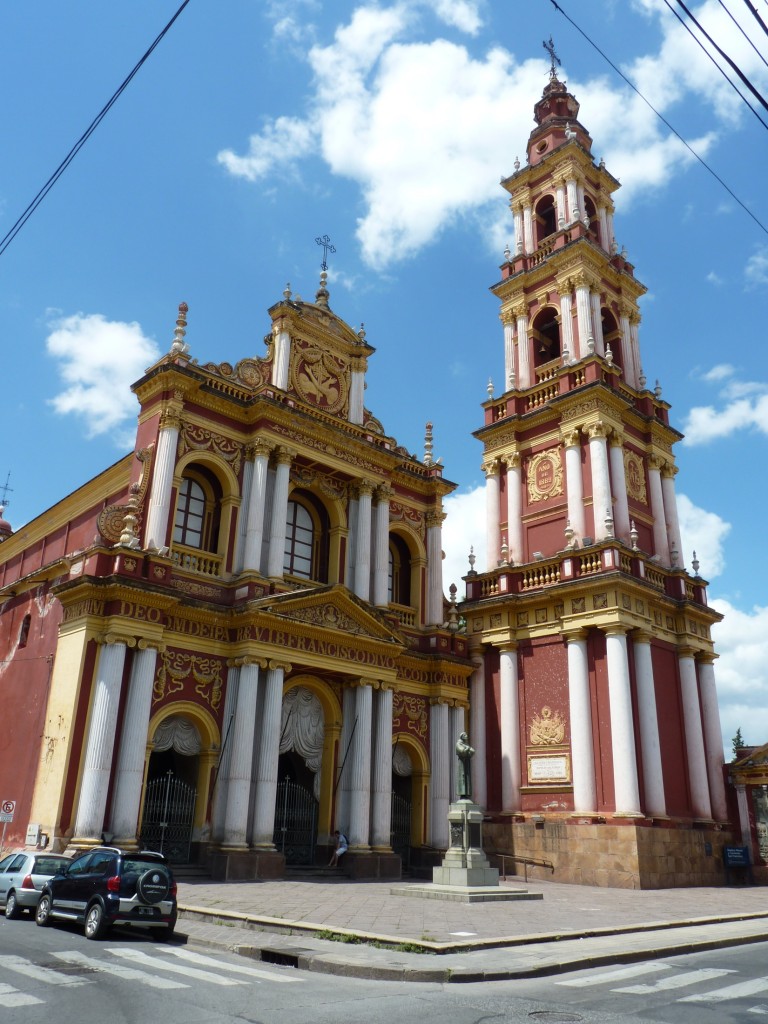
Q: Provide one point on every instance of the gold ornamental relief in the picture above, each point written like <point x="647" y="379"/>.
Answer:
<point x="410" y="712"/>
<point x="547" y="729"/>
<point x="320" y="378"/>
<point x="544" y="472"/>
<point x="635" y="476"/>
<point x="179" y="671"/>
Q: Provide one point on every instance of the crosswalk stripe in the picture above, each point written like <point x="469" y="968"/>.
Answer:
<point x="675" y="981"/>
<point x="737" y="991"/>
<point x="758" y="1009"/>
<point x="31" y="970"/>
<point x="617" y="975"/>
<point x="251" y="972"/>
<point x="190" y="972"/>
<point x="128" y="973"/>
<point x="10" y="996"/>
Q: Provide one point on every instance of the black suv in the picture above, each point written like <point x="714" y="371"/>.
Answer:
<point x="109" y="886"/>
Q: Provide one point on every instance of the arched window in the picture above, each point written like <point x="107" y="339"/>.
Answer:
<point x="612" y="336"/>
<point x="545" y="219"/>
<point x="24" y="631"/>
<point x="399" y="571"/>
<point x="593" y="218"/>
<point x="546" y="336"/>
<point x="299" y="541"/>
<point x="198" y="507"/>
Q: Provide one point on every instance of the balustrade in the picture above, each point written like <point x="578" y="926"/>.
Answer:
<point x="203" y="563"/>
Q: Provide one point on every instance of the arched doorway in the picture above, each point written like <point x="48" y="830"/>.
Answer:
<point x="402" y="805"/>
<point x="171" y="792"/>
<point x="302" y="733"/>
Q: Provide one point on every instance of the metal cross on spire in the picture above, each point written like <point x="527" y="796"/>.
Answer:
<point x="327" y="247"/>
<point x="4" y="490"/>
<point x="549" y="46"/>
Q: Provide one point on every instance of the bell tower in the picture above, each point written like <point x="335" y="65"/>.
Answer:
<point x="593" y="698"/>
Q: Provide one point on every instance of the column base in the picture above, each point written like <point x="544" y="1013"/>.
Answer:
<point x="229" y="864"/>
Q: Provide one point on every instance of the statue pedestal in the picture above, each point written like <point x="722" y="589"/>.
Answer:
<point x="464" y="863"/>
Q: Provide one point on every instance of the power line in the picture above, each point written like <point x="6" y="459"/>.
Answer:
<point x="757" y="16"/>
<point x="740" y="28"/>
<point x="661" y="117"/>
<point x="6" y="240"/>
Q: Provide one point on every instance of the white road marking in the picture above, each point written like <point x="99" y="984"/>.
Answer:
<point x="758" y="1009"/>
<point x="44" y="974"/>
<point x="10" y="996"/>
<point x="617" y="975"/>
<point x="738" y="991"/>
<point x="190" y="972"/>
<point x="118" y="971"/>
<point x="675" y="981"/>
<point x="209" y="961"/>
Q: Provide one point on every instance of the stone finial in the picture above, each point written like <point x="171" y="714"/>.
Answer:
<point x="695" y="565"/>
<point x="633" y="535"/>
<point x="428" y="461"/>
<point x="642" y="378"/>
<point x="601" y="165"/>
<point x="570" y="536"/>
<point x="674" y="556"/>
<point x="453" y="611"/>
<point x="179" y="347"/>
<point x="361" y="333"/>
<point x="608" y="522"/>
<point x="489" y="388"/>
<point x="287" y="292"/>
<point x="608" y="354"/>
<point x="504" y="554"/>
<point x="472" y="558"/>
<point x="322" y="295"/>
<point x="566" y="356"/>
<point x="517" y="163"/>
<point x="591" y="345"/>
<point x="657" y="390"/>
<point x="507" y="252"/>
<point x="519" y="246"/>
<point x="129" y="537"/>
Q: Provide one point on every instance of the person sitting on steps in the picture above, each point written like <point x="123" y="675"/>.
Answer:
<point x="341" y="847"/>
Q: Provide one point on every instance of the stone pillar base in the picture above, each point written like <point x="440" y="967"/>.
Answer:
<point x="465" y="863"/>
<point x="244" y="865"/>
<point x="371" y="865"/>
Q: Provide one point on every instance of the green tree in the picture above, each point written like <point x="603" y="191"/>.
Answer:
<point x="738" y="744"/>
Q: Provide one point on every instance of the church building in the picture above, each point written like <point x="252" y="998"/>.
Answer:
<point x="593" y="698"/>
<point x="235" y="640"/>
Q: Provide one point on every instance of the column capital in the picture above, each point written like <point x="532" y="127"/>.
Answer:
<point x="641" y="636"/>
<point x="597" y="429"/>
<point x="571" y="436"/>
<point x="275" y="664"/>
<point x="435" y="519"/>
<point x="512" y="461"/>
<point x="686" y="652"/>
<point x="655" y="462"/>
<point x="438" y="702"/>
<point x="116" y="638"/>
<point x="384" y="493"/>
<point x="170" y="419"/>
<point x="355" y="684"/>
<point x="669" y="470"/>
<point x="151" y="645"/>
<point x="507" y="317"/>
<point x="364" y="487"/>
<point x="491" y="467"/>
<point x="508" y="647"/>
<point x="257" y="448"/>
<point x="520" y="309"/>
<point x="706" y="657"/>
<point x="615" y="629"/>
<point x="249" y="659"/>
<point x="284" y="456"/>
<point x="574" y="635"/>
<point x="616" y="438"/>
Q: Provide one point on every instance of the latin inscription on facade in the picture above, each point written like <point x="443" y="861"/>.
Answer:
<point x="549" y="768"/>
<point x="545" y="475"/>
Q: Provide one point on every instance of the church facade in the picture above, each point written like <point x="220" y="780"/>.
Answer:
<point x="593" y="699"/>
<point x="235" y="641"/>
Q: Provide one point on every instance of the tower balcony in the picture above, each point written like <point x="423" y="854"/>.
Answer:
<point x="579" y="564"/>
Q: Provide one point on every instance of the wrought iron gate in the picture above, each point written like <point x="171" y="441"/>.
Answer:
<point x="169" y="811"/>
<point x="295" y="823"/>
<point x="400" y="840"/>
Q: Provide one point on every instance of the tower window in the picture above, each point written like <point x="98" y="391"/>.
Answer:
<point x="24" y="630"/>
<point x="545" y="219"/>
<point x="399" y="571"/>
<point x="299" y="541"/>
<point x="546" y="336"/>
<point x="198" y="505"/>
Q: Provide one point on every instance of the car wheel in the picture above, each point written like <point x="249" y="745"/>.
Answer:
<point x="96" y="924"/>
<point x="43" y="913"/>
<point x="153" y="886"/>
<point x="12" y="908"/>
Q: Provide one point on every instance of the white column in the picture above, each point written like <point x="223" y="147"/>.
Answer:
<point x="524" y="377"/>
<point x="582" y="204"/>
<point x="282" y="360"/>
<point x="621" y="507"/>
<point x="624" y="756"/>
<point x="456" y="719"/>
<point x="360" y="781"/>
<point x="349" y="568"/>
<point x="492" y="514"/>
<point x="627" y="355"/>
<point x="634" y="334"/>
<point x="516" y="553"/>
<point x="517" y="215"/>
<point x="669" y="497"/>
<point x="381" y="547"/>
<point x="241" y="763"/>
<point x="566" y="326"/>
<point x="583" y="320"/>
<point x="574" y="483"/>
<point x="611" y="236"/>
<point x="660" y="542"/>
<point x="439" y="755"/>
<point x="129" y="773"/>
<point x="348" y="731"/>
<point x="601" y="483"/>
<point x="254" y="529"/>
<point x="159" y="510"/>
<point x="653" y="775"/>
<point x="713" y="737"/>
<point x="572" y="201"/>
<point x="242" y="519"/>
<point x="435" y="568"/>
<point x="277" y="524"/>
<point x="363" y="541"/>
<point x="225" y="755"/>
<point x="510" y="373"/>
<point x="597" y="323"/>
<point x="102" y="724"/>
<point x="477" y="731"/>
<point x="605" y="241"/>
<point x="511" y="770"/>
<point x="267" y="757"/>
<point x="562" y="215"/>
<point x="356" y="396"/>
<point x="528" y="228"/>
<point x="582" y="750"/>
<point x="744" y="825"/>
<point x="694" y="736"/>
<point x="381" y="804"/>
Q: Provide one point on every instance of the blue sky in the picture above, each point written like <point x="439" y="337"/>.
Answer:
<point x="257" y="126"/>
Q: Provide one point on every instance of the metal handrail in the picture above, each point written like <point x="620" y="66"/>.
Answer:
<point x="525" y="861"/>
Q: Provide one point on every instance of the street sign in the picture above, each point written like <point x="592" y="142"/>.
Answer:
<point x="7" y="807"/>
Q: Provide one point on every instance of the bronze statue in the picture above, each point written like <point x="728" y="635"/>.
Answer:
<point x="464" y="776"/>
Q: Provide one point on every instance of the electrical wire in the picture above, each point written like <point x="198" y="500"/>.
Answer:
<point x="661" y="117"/>
<point x="740" y="28"/>
<point x="722" y="71"/>
<point x="757" y="16"/>
<point x="13" y="231"/>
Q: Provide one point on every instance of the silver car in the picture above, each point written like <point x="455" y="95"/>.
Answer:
<point x="22" y="876"/>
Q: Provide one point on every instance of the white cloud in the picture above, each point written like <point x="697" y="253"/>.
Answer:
<point x="98" y="361"/>
<point x="461" y="14"/>
<point x="280" y="144"/>
<point x="720" y="372"/>
<point x="714" y="278"/>
<point x="464" y="527"/>
<point x="706" y="423"/>
<point x="741" y="640"/>
<point x="705" y="533"/>
<point x="756" y="270"/>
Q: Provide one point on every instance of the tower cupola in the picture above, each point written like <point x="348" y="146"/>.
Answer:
<point x="556" y="119"/>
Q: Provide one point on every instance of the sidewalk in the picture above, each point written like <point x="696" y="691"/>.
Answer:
<point x="377" y="930"/>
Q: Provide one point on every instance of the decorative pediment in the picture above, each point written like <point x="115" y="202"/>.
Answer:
<point x="332" y="608"/>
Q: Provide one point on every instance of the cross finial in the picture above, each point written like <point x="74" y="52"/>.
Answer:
<point x="5" y="489"/>
<point x="549" y="46"/>
<point x="325" y="241"/>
